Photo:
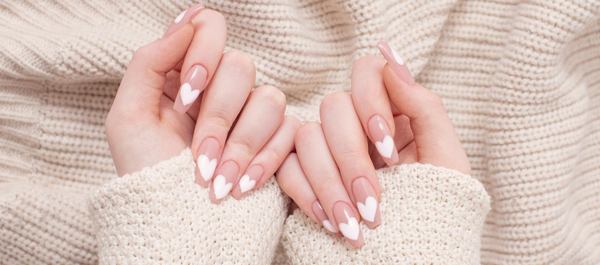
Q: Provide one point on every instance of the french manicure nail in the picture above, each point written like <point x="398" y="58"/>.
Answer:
<point x="322" y="217"/>
<point x="223" y="182"/>
<point x="366" y="201"/>
<point x="348" y="223"/>
<point x="396" y="62"/>
<point x="184" y="17"/>
<point x="383" y="140"/>
<point x="194" y="83"/>
<point x="207" y="160"/>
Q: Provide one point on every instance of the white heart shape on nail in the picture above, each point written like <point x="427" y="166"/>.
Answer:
<point x="188" y="95"/>
<point x="246" y="183"/>
<point x="206" y="166"/>
<point x="180" y="16"/>
<point x="221" y="187"/>
<point x="385" y="147"/>
<point x="351" y="228"/>
<point x="368" y="209"/>
<point x="328" y="226"/>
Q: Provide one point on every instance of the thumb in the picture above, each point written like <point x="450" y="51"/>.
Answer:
<point x="434" y="135"/>
<point x="142" y="85"/>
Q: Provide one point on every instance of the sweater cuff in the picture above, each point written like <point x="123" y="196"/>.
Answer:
<point x="161" y="216"/>
<point x="429" y="215"/>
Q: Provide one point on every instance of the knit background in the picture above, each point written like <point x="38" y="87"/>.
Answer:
<point x="520" y="79"/>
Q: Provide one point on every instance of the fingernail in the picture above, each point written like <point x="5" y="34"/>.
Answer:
<point x="395" y="61"/>
<point x="366" y="202"/>
<point x="383" y="140"/>
<point x="183" y="18"/>
<point x="322" y="217"/>
<point x="194" y="83"/>
<point x="248" y="181"/>
<point x="207" y="160"/>
<point x="348" y="223"/>
<point x="223" y="182"/>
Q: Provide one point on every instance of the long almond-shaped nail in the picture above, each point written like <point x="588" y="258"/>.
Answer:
<point x="348" y="223"/>
<point x="248" y="181"/>
<point x="207" y="160"/>
<point x="195" y="81"/>
<point x="366" y="202"/>
<point x="225" y="179"/>
<point x="322" y="217"/>
<point x="383" y="139"/>
<point x="396" y="62"/>
<point x="184" y="17"/>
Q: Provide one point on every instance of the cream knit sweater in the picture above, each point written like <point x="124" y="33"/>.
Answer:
<point x="520" y="79"/>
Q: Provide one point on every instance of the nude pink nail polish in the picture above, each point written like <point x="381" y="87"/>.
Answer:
<point x="190" y="89"/>
<point x="206" y="163"/>
<point x="184" y="17"/>
<point x="322" y="217"/>
<point x="396" y="62"/>
<point x="348" y="224"/>
<point x="366" y="202"/>
<point x="248" y="181"/>
<point x="224" y="180"/>
<point x="382" y="138"/>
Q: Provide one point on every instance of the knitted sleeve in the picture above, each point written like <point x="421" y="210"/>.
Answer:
<point x="430" y="215"/>
<point x="160" y="216"/>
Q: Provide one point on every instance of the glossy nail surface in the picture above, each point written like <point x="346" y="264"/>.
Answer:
<point x="383" y="139"/>
<point x="207" y="160"/>
<point x="366" y="202"/>
<point x="190" y="89"/>
<point x="248" y="181"/>
<point x="348" y="223"/>
<point x="184" y="17"/>
<point x="396" y="62"/>
<point x="224" y="180"/>
<point x="322" y="217"/>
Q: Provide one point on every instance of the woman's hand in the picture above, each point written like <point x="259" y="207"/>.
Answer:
<point x="332" y="177"/>
<point x="233" y="129"/>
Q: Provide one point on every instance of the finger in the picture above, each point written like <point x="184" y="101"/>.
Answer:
<point x="324" y="178"/>
<point x="293" y="182"/>
<point x="349" y="147"/>
<point x="183" y="18"/>
<point x="259" y="120"/>
<point x="372" y="106"/>
<point x="221" y="104"/>
<point x="142" y="84"/>
<point x="265" y="163"/>
<point x="202" y="58"/>
<point x="434" y="133"/>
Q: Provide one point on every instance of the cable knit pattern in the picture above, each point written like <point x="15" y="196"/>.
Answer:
<point x="520" y="80"/>
<point x="434" y="216"/>
<point x="161" y="216"/>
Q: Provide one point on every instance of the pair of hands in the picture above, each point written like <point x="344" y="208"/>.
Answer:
<point x="182" y="90"/>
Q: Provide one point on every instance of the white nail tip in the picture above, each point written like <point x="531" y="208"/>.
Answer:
<point x="188" y="95"/>
<point x="368" y="209"/>
<point x="180" y="16"/>
<point x="206" y="167"/>
<point x="246" y="183"/>
<point x="385" y="147"/>
<point x="350" y="229"/>
<point x="328" y="226"/>
<point x="220" y="187"/>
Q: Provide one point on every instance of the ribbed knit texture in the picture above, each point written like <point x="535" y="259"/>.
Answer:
<point x="520" y="80"/>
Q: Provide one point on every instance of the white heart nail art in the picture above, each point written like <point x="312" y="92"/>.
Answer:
<point x="188" y="95"/>
<point x="246" y="183"/>
<point x="350" y="229"/>
<point x="221" y="187"/>
<point x="180" y="17"/>
<point x="369" y="209"/>
<point x="385" y="147"/>
<point x="206" y="167"/>
<point x="328" y="226"/>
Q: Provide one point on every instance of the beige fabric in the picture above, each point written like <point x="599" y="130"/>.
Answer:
<point x="520" y="79"/>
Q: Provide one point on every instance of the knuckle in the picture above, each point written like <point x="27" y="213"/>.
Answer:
<point x="272" y="155"/>
<point x="272" y="95"/>
<point x="239" y="61"/>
